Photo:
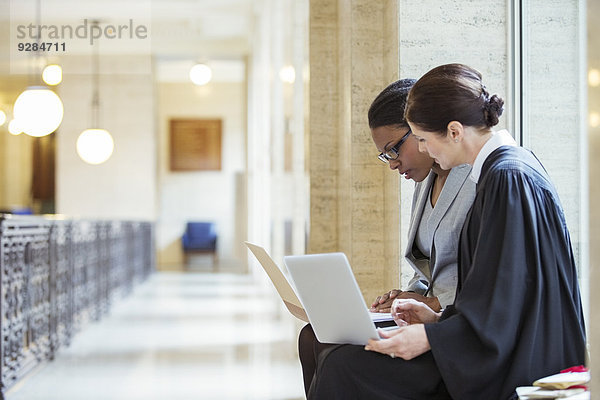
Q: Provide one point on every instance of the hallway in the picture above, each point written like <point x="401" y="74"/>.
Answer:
<point x="179" y="336"/>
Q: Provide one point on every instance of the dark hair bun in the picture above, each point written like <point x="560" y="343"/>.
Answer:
<point x="452" y="92"/>
<point x="492" y="110"/>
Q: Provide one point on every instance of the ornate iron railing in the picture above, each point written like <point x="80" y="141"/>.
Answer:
<point x="55" y="276"/>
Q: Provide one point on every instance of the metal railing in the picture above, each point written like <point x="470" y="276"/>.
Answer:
<point x="56" y="275"/>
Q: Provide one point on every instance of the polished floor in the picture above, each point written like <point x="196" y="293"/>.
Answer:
<point x="179" y="336"/>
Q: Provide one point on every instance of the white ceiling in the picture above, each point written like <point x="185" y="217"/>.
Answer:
<point x="179" y="31"/>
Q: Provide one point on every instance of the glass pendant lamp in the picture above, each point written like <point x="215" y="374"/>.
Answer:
<point x="95" y="145"/>
<point x="38" y="110"/>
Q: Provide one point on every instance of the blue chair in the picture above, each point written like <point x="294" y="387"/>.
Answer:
<point x="200" y="237"/>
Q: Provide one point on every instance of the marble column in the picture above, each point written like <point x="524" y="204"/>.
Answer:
<point x="353" y="197"/>
<point x="259" y="163"/>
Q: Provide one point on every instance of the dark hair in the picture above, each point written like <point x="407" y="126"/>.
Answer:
<point x="388" y="106"/>
<point x="452" y="92"/>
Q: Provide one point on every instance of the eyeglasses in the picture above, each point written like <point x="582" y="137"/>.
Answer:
<point x="393" y="153"/>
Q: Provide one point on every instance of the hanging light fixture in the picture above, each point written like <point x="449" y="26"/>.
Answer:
<point x="200" y="74"/>
<point x="287" y="74"/>
<point x="38" y="109"/>
<point x="594" y="119"/>
<point x="52" y="74"/>
<point x="14" y="128"/>
<point x="2" y="117"/>
<point x="95" y="145"/>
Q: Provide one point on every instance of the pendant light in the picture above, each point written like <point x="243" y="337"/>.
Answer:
<point x="52" y="74"/>
<point x="287" y="74"/>
<point x="38" y="109"/>
<point x="14" y="128"/>
<point x="95" y="145"/>
<point x="200" y="74"/>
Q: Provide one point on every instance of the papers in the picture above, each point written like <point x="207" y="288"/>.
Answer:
<point x="563" y="380"/>
<point x="558" y="386"/>
<point x="535" y="392"/>
<point x="380" y="317"/>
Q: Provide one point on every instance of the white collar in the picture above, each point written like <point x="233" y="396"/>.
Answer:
<point x="498" y="139"/>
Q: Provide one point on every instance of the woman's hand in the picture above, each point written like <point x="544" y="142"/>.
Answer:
<point x="407" y="342"/>
<point x="432" y="302"/>
<point x="383" y="303"/>
<point x="411" y="311"/>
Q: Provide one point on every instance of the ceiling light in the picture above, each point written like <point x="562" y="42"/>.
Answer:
<point x="200" y="74"/>
<point x="287" y="74"/>
<point x="95" y="146"/>
<point x="2" y="117"/>
<point x="594" y="77"/>
<point x="14" y="128"/>
<point x="594" y="119"/>
<point x="39" y="111"/>
<point x="52" y="74"/>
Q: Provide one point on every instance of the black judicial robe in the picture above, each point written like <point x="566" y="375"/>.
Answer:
<point x="517" y="315"/>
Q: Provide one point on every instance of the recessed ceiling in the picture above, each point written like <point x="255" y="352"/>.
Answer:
<point x="178" y="31"/>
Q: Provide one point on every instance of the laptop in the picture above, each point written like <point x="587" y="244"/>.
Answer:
<point x="331" y="298"/>
<point x="288" y="294"/>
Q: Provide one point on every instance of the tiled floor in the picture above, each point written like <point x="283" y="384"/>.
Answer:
<point x="179" y="336"/>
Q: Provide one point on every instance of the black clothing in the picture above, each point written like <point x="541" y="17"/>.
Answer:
<point x="517" y="315"/>
<point x="309" y="349"/>
<point x="348" y="372"/>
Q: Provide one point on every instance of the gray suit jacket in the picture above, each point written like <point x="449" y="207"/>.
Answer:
<point x="437" y="277"/>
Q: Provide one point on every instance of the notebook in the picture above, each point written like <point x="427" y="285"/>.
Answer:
<point x="287" y="294"/>
<point x="331" y="298"/>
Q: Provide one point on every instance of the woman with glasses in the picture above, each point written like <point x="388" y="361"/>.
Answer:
<point x="517" y="315"/>
<point x="440" y="203"/>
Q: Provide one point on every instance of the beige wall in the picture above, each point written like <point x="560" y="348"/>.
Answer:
<point x="353" y="200"/>
<point x="124" y="187"/>
<point x="202" y="195"/>
<point x="554" y="100"/>
<point x="473" y="33"/>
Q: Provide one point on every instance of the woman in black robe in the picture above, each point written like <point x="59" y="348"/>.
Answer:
<point x="449" y="194"/>
<point x="517" y="315"/>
